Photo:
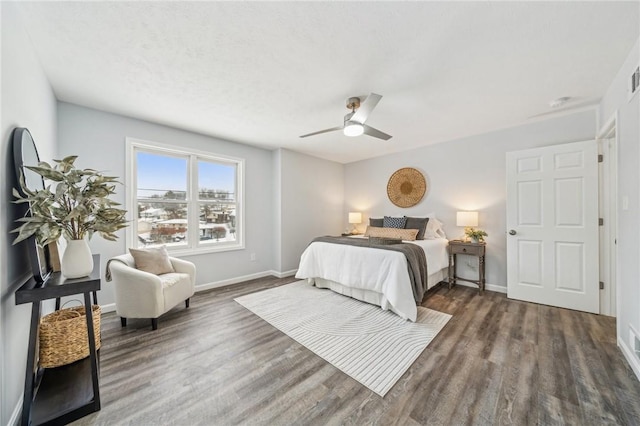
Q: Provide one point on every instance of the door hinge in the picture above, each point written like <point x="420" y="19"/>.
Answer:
<point x="600" y="221"/>
<point x="600" y="158"/>
<point x="601" y="285"/>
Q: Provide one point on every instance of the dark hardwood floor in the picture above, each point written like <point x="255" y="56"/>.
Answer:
<point x="497" y="361"/>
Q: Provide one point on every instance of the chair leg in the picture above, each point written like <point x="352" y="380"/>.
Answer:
<point x="186" y="303"/>
<point x="154" y="323"/>
<point x="123" y="321"/>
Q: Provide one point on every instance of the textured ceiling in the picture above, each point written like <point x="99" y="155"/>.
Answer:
<point x="263" y="73"/>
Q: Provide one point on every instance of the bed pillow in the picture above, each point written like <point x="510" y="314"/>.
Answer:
<point x="434" y="228"/>
<point x="394" y="222"/>
<point x="153" y="260"/>
<point x="402" y="234"/>
<point x="376" y="222"/>
<point x="419" y="223"/>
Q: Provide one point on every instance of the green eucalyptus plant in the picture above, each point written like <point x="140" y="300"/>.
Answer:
<point x="476" y="234"/>
<point x="78" y="206"/>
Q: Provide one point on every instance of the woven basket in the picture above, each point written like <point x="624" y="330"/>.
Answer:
<point x="406" y="187"/>
<point x="63" y="336"/>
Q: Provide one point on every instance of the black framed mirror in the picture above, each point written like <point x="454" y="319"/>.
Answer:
<point x="25" y="153"/>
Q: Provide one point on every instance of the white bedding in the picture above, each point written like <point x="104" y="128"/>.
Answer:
<point x="376" y="270"/>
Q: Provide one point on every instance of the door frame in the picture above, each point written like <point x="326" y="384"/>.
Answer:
<point x="607" y="138"/>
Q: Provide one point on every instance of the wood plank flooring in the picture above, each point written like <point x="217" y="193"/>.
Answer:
<point x="498" y="361"/>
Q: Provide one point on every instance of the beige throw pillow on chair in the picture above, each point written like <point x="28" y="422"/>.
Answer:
<point x="153" y="260"/>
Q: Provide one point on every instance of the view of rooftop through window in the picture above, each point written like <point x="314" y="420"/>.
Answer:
<point x="165" y="200"/>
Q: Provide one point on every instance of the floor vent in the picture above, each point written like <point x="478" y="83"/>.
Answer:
<point x="634" y="82"/>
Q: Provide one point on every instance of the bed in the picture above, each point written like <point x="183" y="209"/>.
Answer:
<point x="372" y="275"/>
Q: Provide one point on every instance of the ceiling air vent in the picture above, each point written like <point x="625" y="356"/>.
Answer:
<point x="634" y="82"/>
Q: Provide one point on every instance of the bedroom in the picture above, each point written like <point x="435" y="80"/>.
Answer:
<point x="298" y="189"/>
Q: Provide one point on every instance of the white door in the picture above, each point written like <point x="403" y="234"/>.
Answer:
<point x="552" y="226"/>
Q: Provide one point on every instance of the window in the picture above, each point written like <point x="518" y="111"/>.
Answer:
<point x="186" y="200"/>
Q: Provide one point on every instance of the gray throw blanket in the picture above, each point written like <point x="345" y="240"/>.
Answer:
<point x="416" y="259"/>
<point x="107" y="275"/>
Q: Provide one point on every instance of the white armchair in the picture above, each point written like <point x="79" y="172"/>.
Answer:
<point x="140" y="294"/>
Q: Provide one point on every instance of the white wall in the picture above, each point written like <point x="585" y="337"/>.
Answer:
<point x="27" y="101"/>
<point x="465" y="174"/>
<point x="311" y="203"/>
<point x="628" y="134"/>
<point x="98" y="138"/>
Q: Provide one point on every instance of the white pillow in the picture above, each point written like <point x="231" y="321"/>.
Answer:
<point x="434" y="228"/>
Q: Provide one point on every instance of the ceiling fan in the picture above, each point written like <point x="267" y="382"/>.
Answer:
<point x="354" y="121"/>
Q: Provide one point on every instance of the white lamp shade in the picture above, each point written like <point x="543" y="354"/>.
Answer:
<point x="467" y="219"/>
<point x="355" y="217"/>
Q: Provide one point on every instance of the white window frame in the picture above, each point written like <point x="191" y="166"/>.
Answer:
<point x="193" y="246"/>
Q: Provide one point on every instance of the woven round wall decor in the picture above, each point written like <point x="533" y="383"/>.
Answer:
<point x="406" y="187"/>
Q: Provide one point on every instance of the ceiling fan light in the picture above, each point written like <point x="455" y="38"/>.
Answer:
<point x="351" y="128"/>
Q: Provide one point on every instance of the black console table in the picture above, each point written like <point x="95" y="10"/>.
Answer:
<point x="60" y="395"/>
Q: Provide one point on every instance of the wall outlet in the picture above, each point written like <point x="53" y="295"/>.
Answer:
<point x="252" y="257"/>
<point x="625" y="202"/>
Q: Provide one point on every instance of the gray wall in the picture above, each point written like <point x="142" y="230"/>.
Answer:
<point x="311" y="200"/>
<point x="98" y="138"/>
<point x="27" y="101"/>
<point x="628" y="133"/>
<point x="465" y="174"/>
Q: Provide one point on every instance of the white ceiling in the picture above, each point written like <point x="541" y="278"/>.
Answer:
<point x="263" y="73"/>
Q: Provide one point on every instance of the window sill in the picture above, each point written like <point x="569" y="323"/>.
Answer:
<point x="186" y="252"/>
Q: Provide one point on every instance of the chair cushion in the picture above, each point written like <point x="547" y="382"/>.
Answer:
<point x="172" y="278"/>
<point x="176" y="288"/>
<point x="153" y="260"/>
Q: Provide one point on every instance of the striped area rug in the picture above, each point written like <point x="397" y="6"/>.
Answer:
<point x="373" y="346"/>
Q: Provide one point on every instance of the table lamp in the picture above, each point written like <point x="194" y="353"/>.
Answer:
<point x="354" y="219"/>
<point x="467" y="220"/>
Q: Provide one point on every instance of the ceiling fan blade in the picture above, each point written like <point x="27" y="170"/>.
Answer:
<point x="333" y="129"/>
<point x="368" y="130"/>
<point x="366" y="107"/>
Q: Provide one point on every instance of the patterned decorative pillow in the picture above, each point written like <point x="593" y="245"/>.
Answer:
<point x="394" y="222"/>
<point x="419" y="223"/>
<point x="402" y="234"/>
<point x="153" y="260"/>
<point x="378" y="223"/>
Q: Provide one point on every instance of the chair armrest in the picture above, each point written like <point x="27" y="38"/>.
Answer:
<point x="138" y="293"/>
<point x="184" y="267"/>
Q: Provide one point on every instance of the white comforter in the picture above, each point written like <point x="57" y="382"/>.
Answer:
<point x="378" y="270"/>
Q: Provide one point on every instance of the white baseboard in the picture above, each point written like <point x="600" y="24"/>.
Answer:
<point x="284" y="274"/>
<point x="14" y="420"/>
<point x="490" y="287"/>
<point x="236" y="280"/>
<point x="630" y="356"/>
<point x="109" y="307"/>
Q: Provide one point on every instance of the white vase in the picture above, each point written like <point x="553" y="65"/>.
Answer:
<point x="77" y="260"/>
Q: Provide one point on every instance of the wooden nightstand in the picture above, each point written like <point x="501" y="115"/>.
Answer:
<point x="472" y="249"/>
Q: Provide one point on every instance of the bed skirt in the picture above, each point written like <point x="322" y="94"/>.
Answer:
<point x="370" y="296"/>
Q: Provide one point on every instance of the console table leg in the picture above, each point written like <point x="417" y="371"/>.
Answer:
<point x="30" y="371"/>
<point x="93" y="355"/>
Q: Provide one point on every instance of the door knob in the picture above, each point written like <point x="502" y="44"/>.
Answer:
<point x="512" y="232"/>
